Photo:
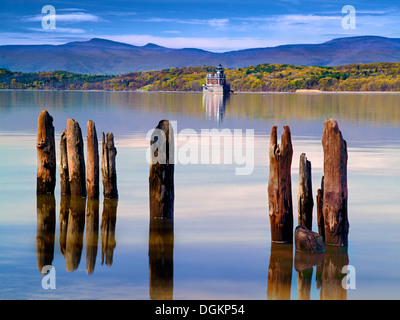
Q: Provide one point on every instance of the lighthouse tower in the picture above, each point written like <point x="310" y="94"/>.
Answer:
<point x="216" y="82"/>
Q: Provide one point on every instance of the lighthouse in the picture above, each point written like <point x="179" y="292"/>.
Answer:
<point x="216" y="82"/>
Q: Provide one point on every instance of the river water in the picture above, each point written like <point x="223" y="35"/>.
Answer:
<point x="220" y="245"/>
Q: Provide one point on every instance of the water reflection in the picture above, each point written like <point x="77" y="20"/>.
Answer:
<point x="92" y="233"/>
<point x="215" y="106"/>
<point x="335" y="259"/>
<point x="329" y="274"/>
<point x="303" y="264"/>
<point x="280" y="271"/>
<point x="71" y="230"/>
<point x="108" y="221"/>
<point x="161" y="259"/>
<point x="74" y="236"/>
<point x="46" y="226"/>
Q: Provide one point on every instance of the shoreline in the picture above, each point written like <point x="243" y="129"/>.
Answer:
<point x="306" y="91"/>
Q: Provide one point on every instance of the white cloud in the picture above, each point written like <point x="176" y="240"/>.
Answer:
<point x="58" y="30"/>
<point x="69" y="17"/>
<point x="215" y="22"/>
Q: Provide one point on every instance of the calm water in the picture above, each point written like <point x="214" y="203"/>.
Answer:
<point x="220" y="245"/>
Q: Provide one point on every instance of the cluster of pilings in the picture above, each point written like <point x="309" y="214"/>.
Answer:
<point x="76" y="178"/>
<point x="78" y="181"/>
<point x="331" y="199"/>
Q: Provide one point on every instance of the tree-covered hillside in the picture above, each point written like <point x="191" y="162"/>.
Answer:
<point x="260" y="78"/>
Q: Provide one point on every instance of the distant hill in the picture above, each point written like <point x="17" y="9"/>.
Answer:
<point x="100" y="56"/>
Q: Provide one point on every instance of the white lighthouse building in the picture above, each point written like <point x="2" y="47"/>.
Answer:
<point x="216" y="82"/>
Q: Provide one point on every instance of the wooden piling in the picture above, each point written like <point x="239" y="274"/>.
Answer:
<point x="335" y="185"/>
<point x="76" y="160"/>
<point x="280" y="187"/>
<point x="64" y="175"/>
<point x="92" y="163"/>
<point x="304" y="196"/>
<point x="320" y="215"/>
<point x="46" y="155"/>
<point x="108" y="167"/>
<point x="161" y="179"/>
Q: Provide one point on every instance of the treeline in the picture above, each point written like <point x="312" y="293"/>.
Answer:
<point x="260" y="78"/>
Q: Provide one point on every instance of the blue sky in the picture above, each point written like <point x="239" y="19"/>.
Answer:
<point x="211" y="25"/>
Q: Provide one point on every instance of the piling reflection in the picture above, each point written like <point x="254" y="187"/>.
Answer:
<point x="161" y="259"/>
<point x="72" y="227"/>
<point x="335" y="258"/>
<point x="46" y="224"/>
<point x="215" y="106"/>
<point x="303" y="264"/>
<point x="280" y="271"/>
<point x="108" y="222"/>
<point x="75" y="228"/>
<point x="329" y="276"/>
<point x="92" y="233"/>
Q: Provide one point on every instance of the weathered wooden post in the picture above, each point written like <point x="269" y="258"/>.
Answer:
<point x="304" y="196"/>
<point x="64" y="175"/>
<point x="108" y="167"/>
<point x="280" y="187"/>
<point x="335" y="185"/>
<point x="320" y="215"/>
<point x="92" y="163"/>
<point x="46" y="155"/>
<point x="76" y="160"/>
<point x="107" y="227"/>
<point x="92" y="233"/>
<point x="161" y="180"/>
<point x="46" y="228"/>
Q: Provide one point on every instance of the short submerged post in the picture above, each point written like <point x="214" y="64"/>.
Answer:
<point x="280" y="187"/>
<point x="335" y="185"/>
<point x="46" y="155"/>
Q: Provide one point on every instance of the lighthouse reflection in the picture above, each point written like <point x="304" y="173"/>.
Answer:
<point x="214" y="104"/>
<point x="161" y="259"/>
<point x="73" y="213"/>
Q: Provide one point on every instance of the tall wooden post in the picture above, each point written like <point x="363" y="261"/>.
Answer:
<point x="46" y="155"/>
<point x="161" y="180"/>
<point x="335" y="185"/>
<point x="92" y="163"/>
<point x="76" y="160"/>
<point x="304" y="196"/>
<point x="280" y="187"/>
<point x="108" y="167"/>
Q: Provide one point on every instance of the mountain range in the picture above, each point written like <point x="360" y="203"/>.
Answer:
<point x="100" y="56"/>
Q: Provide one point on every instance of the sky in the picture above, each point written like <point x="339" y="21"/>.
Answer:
<point x="216" y="25"/>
